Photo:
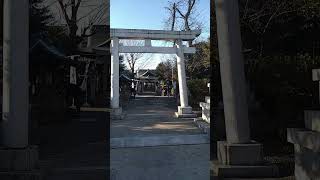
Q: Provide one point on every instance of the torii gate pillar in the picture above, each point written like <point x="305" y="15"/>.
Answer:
<point x="184" y="110"/>
<point x="114" y="96"/>
<point x="16" y="154"/>
<point x="238" y="156"/>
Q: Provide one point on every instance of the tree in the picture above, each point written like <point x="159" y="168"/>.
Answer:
<point x="122" y="66"/>
<point x="183" y="15"/>
<point x="132" y="58"/>
<point x="198" y="66"/>
<point x="92" y="11"/>
<point x="166" y="69"/>
<point x="268" y="26"/>
<point x="1" y="20"/>
<point x="40" y="16"/>
<point x="171" y="21"/>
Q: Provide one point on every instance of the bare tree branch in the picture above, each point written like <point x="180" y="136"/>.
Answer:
<point x="64" y="10"/>
<point x="70" y="11"/>
<point x="132" y="58"/>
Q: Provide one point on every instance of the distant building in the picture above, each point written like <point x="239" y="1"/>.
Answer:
<point x="46" y="80"/>
<point x="147" y="81"/>
<point x="97" y="48"/>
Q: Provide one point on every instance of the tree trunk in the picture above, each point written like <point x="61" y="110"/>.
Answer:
<point x="261" y="47"/>
<point x="132" y="71"/>
<point x="73" y="27"/>
<point x="173" y="17"/>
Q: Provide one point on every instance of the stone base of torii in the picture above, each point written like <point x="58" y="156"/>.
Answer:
<point x="185" y="112"/>
<point x="116" y="114"/>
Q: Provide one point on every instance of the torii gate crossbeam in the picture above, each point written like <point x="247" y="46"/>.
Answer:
<point x="154" y="34"/>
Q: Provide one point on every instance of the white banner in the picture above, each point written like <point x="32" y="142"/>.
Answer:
<point x="84" y="82"/>
<point x="73" y="75"/>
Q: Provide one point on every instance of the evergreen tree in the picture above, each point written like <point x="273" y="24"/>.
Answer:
<point x="1" y="20"/>
<point x="40" y="16"/>
<point x="122" y="66"/>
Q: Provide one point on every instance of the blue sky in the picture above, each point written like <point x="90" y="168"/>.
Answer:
<point x="150" y="14"/>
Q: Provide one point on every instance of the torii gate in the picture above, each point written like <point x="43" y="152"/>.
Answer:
<point x="239" y="153"/>
<point x="184" y="110"/>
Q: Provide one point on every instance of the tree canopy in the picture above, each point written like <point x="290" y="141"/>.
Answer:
<point x="275" y="27"/>
<point x="166" y="69"/>
<point x="40" y="16"/>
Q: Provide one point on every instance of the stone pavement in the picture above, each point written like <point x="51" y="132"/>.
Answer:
<point x="149" y="143"/>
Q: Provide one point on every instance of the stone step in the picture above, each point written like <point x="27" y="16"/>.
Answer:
<point x="158" y="140"/>
<point x="207" y="99"/>
<point x="71" y="170"/>
<point x="203" y="125"/>
<point x="280" y="178"/>
<point x="23" y="175"/>
<point x="305" y="138"/>
<point x="248" y="172"/>
<point x="206" y="115"/>
<point x="78" y="176"/>
<point x="312" y="120"/>
<point x="205" y="105"/>
<point x="96" y="173"/>
<point x="186" y="116"/>
<point x="205" y="111"/>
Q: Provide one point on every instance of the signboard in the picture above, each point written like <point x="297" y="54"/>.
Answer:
<point x="73" y="75"/>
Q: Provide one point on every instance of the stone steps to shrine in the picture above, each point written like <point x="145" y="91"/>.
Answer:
<point x="203" y="125"/>
<point x="205" y="106"/>
<point x="203" y="122"/>
<point x="307" y="146"/>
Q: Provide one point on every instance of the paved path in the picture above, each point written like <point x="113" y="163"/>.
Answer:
<point x="149" y="143"/>
<point x="150" y="115"/>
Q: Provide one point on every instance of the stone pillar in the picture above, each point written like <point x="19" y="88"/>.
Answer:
<point x="184" y="110"/>
<point x="15" y="74"/>
<point x="114" y="96"/>
<point x="16" y="155"/>
<point x="232" y="72"/>
<point x="238" y="156"/>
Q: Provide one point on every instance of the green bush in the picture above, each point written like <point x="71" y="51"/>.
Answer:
<point x="283" y="86"/>
<point x="197" y="91"/>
